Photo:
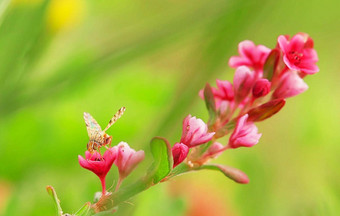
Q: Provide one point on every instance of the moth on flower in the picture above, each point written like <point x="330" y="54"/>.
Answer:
<point x="97" y="136"/>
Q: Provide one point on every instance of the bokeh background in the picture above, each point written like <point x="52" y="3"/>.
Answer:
<point x="59" y="58"/>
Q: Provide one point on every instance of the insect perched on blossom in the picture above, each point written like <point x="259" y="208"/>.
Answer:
<point x="98" y="137"/>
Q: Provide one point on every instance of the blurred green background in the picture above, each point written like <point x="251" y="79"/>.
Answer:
<point x="59" y="58"/>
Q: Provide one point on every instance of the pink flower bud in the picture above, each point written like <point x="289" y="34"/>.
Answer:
<point x="100" y="165"/>
<point x="250" y="55"/>
<point x="195" y="132"/>
<point x="127" y="158"/>
<point x="245" y="134"/>
<point x="298" y="53"/>
<point x="291" y="84"/>
<point x="266" y="110"/>
<point x="243" y="82"/>
<point x="261" y="88"/>
<point x="179" y="153"/>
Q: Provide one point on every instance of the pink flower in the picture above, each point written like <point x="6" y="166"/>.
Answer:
<point x="195" y="132"/>
<point x="99" y="165"/>
<point x="127" y="159"/>
<point x="243" y="82"/>
<point x="245" y="134"/>
<point x="224" y="90"/>
<point x="298" y="53"/>
<point x="291" y="84"/>
<point x="179" y="153"/>
<point x="250" y="55"/>
<point x="261" y="88"/>
<point x="223" y="93"/>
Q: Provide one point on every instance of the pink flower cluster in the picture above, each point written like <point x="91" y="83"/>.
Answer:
<point x="263" y="79"/>
<point x="259" y="72"/>
<point x="295" y="58"/>
<point x="124" y="157"/>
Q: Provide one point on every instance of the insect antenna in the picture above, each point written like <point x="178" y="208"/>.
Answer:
<point x="116" y="116"/>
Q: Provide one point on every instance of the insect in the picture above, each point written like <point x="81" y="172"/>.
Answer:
<point x="99" y="137"/>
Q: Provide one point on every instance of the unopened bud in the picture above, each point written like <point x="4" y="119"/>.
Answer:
<point x="243" y="82"/>
<point x="291" y="84"/>
<point x="261" y="88"/>
<point x="179" y="153"/>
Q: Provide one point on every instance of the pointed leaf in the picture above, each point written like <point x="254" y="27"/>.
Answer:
<point x="163" y="162"/>
<point x="210" y="102"/>
<point x="53" y="194"/>
<point x="232" y="173"/>
<point x="266" y="110"/>
<point x="270" y="64"/>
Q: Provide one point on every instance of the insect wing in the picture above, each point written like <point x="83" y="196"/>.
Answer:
<point x="118" y="114"/>
<point x="93" y="128"/>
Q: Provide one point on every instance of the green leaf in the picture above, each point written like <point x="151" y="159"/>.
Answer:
<point x="270" y="64"/>
<point x="53" y="194"/>
<point x="232" y="173"/>
<point x="266" y="110"/>
<point x="210" y="103"/>
<point x="163" y="162"/>
<point x="84" y="210"/>
<point x="180" y="169"/>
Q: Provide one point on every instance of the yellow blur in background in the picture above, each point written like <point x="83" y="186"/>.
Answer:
<point x="60" y="58"/>
<point x="63" y="14"/>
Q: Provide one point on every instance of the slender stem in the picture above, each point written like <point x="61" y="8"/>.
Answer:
<point x="229" y="116"/>
<point x="102" y="180"/>
<point x="120" y="180"/>
<point x="221" y="150"/>
<point x="246" y="107"/>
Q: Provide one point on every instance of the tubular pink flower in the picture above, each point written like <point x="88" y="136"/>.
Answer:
<point x="245" y="134"/>
<point x="127" y="159"/>
<point x="243" y="82"/>
<point x="250" y="55"/>
<point x="195" y="132"/>
<point x="222" y="94"/>
<point x="291" y="84"/>
<point x="179" y="153"/>
<point x="99" y="165"/>
<point x="298" y="53"/>
<point x="261" y="88"/>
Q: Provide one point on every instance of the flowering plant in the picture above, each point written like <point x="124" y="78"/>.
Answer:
<point x="263" y="79"/>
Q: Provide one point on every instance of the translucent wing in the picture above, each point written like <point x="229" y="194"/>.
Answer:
<point x="93" y="128"/>
<point x="118" y="114"/>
